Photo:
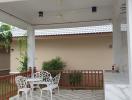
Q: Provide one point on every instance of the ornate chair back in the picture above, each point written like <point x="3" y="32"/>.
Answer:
<point x="56" y="79"/>
<point x="21" y="82"/>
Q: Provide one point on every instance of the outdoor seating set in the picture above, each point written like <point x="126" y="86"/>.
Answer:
<point x="38" y="79"/>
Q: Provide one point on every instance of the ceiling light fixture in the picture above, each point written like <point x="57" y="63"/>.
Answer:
<point x="94" y="9"/>
<point x="40" y="14"/>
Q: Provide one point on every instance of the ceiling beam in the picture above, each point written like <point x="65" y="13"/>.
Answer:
<point x="72" y="24"/>
<point x="3" y="1"/>
<point x="13" y="20"/>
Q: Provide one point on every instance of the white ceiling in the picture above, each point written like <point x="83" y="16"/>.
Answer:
<point x="58" y="11"/>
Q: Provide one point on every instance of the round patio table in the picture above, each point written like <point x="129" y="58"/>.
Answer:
<point x="37" y="82"/>
<point x="32" y="82"/>
<point x="33" y="79"/>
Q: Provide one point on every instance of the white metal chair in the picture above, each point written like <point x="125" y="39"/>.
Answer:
<point x="45" y="79"/>
<point x="52" y="86"/>
<point x="22" y="86"/>
<point x="45" y="76"/>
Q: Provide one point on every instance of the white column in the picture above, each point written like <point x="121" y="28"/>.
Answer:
<point x="116" y="41"/>
<point x="31" y="47"/>
<point x="129" y="34"/>
<point x="116" y="33"/>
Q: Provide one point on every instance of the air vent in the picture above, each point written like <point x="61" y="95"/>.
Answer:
<point x="94" y="9"/>
<point x="40" y="14"/>
<point x="123" y="8"/>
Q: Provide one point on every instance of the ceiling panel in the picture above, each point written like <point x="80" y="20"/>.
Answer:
<point x="28" y="9"/>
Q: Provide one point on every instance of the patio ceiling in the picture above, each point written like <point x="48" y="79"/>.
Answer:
<point x="59" y="13"/>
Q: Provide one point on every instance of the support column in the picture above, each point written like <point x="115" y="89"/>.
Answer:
<point x="116" y="41"/>
<point x="31" y="48"/>
<point x="129" y="37"/>
<point x="116" y="34"/>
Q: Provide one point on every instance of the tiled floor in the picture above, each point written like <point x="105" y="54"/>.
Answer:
<point x="68" y="95"/>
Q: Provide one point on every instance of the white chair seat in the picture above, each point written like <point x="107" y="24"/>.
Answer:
<point x="42" y="82"/>
<point x="53" y="86"/>
<point x="50" y="87"/>
<point x="25" y="89"/>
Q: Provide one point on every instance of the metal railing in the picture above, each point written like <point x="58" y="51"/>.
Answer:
<point x="8" y="86"/>
<point x="80" y="79"/>
<point x="70" y="79"/>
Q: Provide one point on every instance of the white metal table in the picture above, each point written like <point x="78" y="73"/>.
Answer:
<point x="32" y="82"/>
<point x="37" y="82"/>
<point x="33" y="79"/>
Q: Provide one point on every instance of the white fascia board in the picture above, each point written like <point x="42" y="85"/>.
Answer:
<point x="74" y="24"/>
<point x="12" y="20"/>
<point x="3" y="1"/>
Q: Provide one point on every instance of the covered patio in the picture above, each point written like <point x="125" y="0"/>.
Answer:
<point x="33" y="15"/>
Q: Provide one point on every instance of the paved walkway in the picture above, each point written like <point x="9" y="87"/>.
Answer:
<point x="69" y="95"/>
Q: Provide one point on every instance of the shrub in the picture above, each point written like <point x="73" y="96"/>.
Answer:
<point x="54" y="64"/>
<point x="75" y="78"/>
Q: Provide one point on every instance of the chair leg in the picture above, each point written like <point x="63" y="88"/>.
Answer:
<point x="41" y="95"/>
<point x="31" y="94"/>
<point x="48" y="92"/>
<point x="51" y="94"/>
<point x="26" y="96"/>
<point x="58" y="90"/>
<point x="39" y="87"/>
<point x="17" y="95"/>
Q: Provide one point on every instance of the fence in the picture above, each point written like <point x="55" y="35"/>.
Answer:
<point x="8" y="86"/>
<point x="70" y="79"/>
<point x="80" y="79"/>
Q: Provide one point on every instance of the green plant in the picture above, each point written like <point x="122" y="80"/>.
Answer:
<point x="23" y="60"/>
<point x="22" y="42"/>
<point x="5" y="36"/>
<point x="54" y="64"/>
<point x="75" y="78"/>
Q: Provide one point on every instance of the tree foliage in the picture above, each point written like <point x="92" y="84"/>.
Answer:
<point x="5" y="36"/>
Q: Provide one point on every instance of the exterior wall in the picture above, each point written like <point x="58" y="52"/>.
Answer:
<point x="4" y="61"/>
<point x="77" y="53"/>
<point x="15" y="54"/>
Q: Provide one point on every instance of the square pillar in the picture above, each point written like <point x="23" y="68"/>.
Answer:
<point x="116" y="41"/>
<point x="129" y="34"/>
<point x="31" y="48"/>
<point x="116" y="34"/>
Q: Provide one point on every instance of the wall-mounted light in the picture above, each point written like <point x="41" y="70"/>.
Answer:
<point x="94" y="9"/>
<point x="40" y="14"/>
<point x="12" y="49"/>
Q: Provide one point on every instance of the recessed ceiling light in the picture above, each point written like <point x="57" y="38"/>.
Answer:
<point x="94" y="9"/>
<point x="40" y="14"/>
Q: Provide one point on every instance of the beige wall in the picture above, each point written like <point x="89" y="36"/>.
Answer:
<point x="15" y="54"/>
<point x="80" y="53"/>
<point x="4" y="61"/>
